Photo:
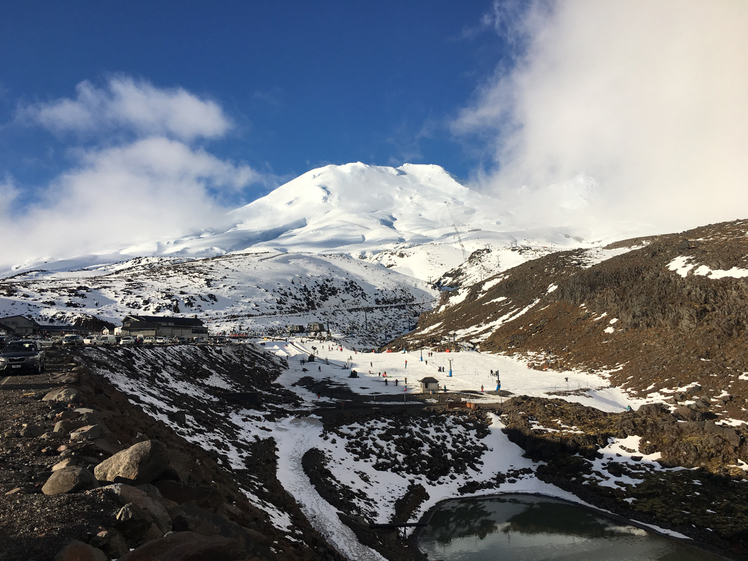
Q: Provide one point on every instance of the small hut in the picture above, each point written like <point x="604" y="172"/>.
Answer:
<point x="429" y="385"/>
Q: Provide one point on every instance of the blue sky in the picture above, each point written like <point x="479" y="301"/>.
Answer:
<point x="303" y="83"/>
<point x="153" y="118"/>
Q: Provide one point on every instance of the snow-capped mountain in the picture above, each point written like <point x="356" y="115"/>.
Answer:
<point x="355" y="207"/>
<point x="334" y="244"/>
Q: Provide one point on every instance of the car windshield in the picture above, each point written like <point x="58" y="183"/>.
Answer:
<point x="19" y="346"/>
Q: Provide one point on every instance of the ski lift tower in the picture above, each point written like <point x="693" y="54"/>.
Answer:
<point x="459" y="241"/>
<point x="457" y="232"/>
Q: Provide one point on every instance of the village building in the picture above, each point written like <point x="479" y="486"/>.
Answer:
<point x="162" y="326"/>
<point x="295" y="329"/>
<point x="315" y="326"/>
<point x="429" y="384"/>
<point x="19" y="325"/>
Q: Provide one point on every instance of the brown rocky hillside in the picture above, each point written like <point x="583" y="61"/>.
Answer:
<point x="650" y="314"/>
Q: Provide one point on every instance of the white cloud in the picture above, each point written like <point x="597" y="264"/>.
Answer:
<point x="150" y="190"/>
<point x="8" y="193"/>
<point x="154" y="186"/>
<point x="133" y="105"/>
<point x="649" y="98"/>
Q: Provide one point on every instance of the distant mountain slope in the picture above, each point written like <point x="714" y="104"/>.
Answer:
<point x="356" y="208"/>
<point x="662" y="313"/>
<point x="261" y="291"/>
<point x="347" y="245"/>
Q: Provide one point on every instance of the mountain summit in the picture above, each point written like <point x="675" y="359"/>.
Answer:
<point x="351" y="205"/>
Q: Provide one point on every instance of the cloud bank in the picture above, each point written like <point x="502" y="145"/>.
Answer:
<point x="154" y="182"/>
<point x="648" y="101"/>
<point x="134" y="105"/>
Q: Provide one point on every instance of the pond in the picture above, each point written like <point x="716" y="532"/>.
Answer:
<point x="534" y="528"/>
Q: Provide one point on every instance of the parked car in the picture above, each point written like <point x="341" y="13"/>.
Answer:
<point x="160" y="340"/>
<point x="22" y="354"/>
<point x="148" y="340"/>
<point x="72" y="339"/>
<point x="45" y="342"/>
<point x="127" y="341"/>
<point x="108" y="340"/>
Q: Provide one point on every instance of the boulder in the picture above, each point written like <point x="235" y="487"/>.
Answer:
<point x="111" y="542"/>
<point x="89" y="432"/>
<point x="204" y="496"/>
<point x="728" y="434"/>
<point x="79" y="551"/>
<point x="69" y="480"/>
<point x="688" y="414"/>
<point x="653" y="410"/>
<point x="67" y="462"/>
<point x="65" y="426"/>
<point x="191" y="518"/>
<point x="104" y="445"/>
<point x="693" y="390"/>
<point x="30" y="430"/>
<point x="63" y="395"/>
<point x="187" y="546"/>
<point x="150" y="505"/>
<point x="136" y="525"/>
<point x="140" y="463"/>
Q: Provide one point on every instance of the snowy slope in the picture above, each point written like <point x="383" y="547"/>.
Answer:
<point x="354" y="208"/>
<point x="258" y="291"/>
<point x="380" y="235"/>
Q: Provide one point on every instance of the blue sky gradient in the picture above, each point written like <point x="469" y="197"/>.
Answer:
<point x="305" y="83"/>
<point x="157" y="117"/>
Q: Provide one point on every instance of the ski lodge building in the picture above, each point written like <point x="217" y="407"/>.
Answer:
<point x="163" y="326"/>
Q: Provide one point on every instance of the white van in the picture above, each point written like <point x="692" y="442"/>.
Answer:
<point x="108" y="340"/>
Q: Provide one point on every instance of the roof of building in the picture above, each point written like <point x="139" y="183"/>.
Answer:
<point x="31" y="320"/>
<point x="429" y="380"/>
<point x="164" y="319"/>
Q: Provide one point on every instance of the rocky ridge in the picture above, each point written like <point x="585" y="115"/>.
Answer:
<point x="88" y="475"/>
<point x="659" y="315"/>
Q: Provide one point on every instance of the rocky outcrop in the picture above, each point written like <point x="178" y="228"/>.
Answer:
<point x="567" y="438"/>
<point x="188" y="546"/>
<point x="87" y="468"/>
<point x="79" y="551"/>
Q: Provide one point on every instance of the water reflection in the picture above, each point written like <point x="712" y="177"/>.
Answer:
<point x="526" y="527"/>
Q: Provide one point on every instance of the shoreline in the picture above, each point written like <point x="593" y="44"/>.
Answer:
<point x="425" y="519"/>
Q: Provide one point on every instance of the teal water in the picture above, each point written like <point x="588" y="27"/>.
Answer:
<point x="533" y="528"/>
